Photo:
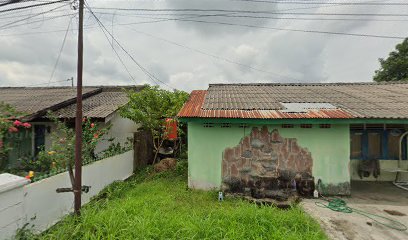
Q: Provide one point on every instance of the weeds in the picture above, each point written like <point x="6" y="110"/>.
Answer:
<point x="160" y="206"/>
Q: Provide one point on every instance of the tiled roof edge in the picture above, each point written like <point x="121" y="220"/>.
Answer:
<point x="60" y="105"/>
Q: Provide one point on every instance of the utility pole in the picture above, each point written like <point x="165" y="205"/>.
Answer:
<point x="78" y="120"/>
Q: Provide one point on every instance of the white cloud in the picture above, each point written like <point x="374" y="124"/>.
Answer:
<point x="212" y="53"/>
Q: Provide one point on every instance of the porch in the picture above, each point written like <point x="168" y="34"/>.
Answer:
<point x="380" y="198"/>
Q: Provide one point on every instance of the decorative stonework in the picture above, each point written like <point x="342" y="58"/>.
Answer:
<point x="264" y="162"/>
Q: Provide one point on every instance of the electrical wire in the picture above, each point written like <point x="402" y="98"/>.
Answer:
<point x="60" y="51"/>
<point x="213" y="55"/>
<point x="39" y="20"/>
<point x="255" y="17"/>
<point x="32" y="6"/>
<point x="249" y="11"/>
<point x="25" y="15"/>
<point x="47" y="83"/>
<point x="116" y="53"/>
<point x="31" y="16"/>
<point x="144" y="70"/>
<point x="269" y="28"/>
<point x="325" y="3"/>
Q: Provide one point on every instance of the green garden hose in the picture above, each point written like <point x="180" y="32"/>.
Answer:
<point x="339" y="205"/>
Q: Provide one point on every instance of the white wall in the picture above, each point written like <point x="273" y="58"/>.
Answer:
<point x="122" y="128"/>
<point x="11" y="203"/>
<point x="40" y="206"/>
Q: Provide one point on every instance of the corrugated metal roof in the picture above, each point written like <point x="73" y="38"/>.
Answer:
<point x="351" y="100"/>
<point x="304" y="107"/>
<point x="193" y="108"/>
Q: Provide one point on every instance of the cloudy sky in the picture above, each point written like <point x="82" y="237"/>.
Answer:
<point x="247" y="41"/>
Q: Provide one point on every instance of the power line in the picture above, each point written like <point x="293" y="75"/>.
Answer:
<point x="212" y="55"/>
<point x="60" y="51"/>
<point x="270" y="28"/>
<point x="25" y="15"/>
<point x="116" y="53"/>
<point x="32" y="6"/>
<point x="325" y="3"/>
<point x="47" y="83"/>
<point x="13" y="24"/>
<point x="145" y="71"/>
<point x="258" y="17"/>
<point x="250" y="11"/>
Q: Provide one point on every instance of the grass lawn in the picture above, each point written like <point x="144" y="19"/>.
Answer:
<point x="162" y="207"/>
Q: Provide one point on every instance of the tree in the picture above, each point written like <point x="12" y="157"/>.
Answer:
<point x="395" y="67"/>
<point x="150" y="107"/>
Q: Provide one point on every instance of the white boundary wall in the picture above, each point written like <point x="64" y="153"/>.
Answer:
<point x="40" y="206"/>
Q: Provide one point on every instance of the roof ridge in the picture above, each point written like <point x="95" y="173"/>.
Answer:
<point x="309" y="84"/>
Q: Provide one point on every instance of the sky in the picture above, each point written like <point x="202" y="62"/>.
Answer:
<point x="188" y="50"/>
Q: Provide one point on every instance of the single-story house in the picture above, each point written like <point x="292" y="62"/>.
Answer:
<point x="270" y="135"/>
<point x="100" y="104"/>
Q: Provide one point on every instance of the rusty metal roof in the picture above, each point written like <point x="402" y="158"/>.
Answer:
<point x="264" y="101"/>
<point x="193" y="108"/>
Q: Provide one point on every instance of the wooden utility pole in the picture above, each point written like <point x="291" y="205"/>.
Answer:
<point x="78" y="120"/>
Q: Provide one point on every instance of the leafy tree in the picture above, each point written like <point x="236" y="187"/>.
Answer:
<point x="395" y="67"/>
<point x="150" y="107"/>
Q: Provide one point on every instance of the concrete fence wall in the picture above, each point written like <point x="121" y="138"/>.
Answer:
<point x="39" y="206"/>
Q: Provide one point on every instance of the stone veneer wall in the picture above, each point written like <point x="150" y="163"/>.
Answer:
<point x="265" y="160"/>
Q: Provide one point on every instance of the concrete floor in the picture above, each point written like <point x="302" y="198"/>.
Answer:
<point x="373" y="197"/>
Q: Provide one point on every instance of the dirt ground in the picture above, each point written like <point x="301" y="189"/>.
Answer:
<point x="381" y="198"/>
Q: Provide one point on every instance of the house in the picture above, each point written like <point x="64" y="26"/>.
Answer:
<point x="100" y="103"/>
<point x="242" y="136"/>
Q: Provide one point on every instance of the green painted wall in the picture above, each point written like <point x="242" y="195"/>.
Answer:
<point x="329" y="147"/>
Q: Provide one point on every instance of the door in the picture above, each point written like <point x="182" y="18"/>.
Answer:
<point x="39" y="138"/>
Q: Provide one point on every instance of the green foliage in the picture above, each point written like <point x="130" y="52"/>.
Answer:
<point x="395" y="67"/>
<point x="146" y="207"/>
<point x="117" y="148"/>
<point x="61" y="153"/>
<point x="7" y="113"/>
<point x="151" y="105"/>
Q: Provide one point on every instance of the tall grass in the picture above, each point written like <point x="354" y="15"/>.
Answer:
<point x="162" y="207"/>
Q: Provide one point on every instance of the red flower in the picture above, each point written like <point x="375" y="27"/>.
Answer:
<point x="26" y="125"/>
<point x="96" y="136"/>
<point x="92" y="125"/>
<point x="83" y="119"/>
<point x="12" y="129"/>
<point x="17" y="123"/>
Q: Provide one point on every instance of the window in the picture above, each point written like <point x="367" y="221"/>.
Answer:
<point x="287" y="125"/>
<point x="376" y="142"/>
<point x="305" y="125"/>
<point x="356" y="146"/>
<point x="325" y="125"/>
<point x="243" y="125"/>
<point x="225" y="125"/>
<point x="39" y="138"/>
<point x="208" y="125"/>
